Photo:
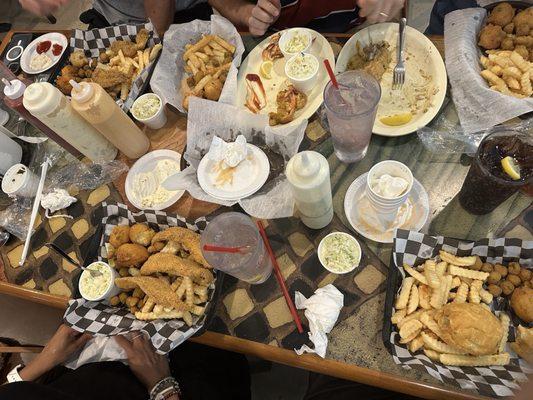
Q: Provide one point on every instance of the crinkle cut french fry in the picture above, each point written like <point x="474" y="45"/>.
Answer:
<point x="398" y="316"/>
<point x="439" y="346"/>
<point x="413" y="302"/>
<point x="415" y="274"/>
<point x="403" y="297"/>
<point x="472" y="361"/>
<point x="468" y="273"/>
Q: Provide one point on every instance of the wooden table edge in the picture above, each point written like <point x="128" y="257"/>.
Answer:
<point x="282" y="356"/>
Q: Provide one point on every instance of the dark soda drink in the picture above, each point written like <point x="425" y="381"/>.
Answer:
<point x="489" y="182"/>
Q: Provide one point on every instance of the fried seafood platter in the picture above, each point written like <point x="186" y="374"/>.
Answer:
<point x="507" y="40"/>
<point x="405" y="110"/>
<point x="163" y="275"/>
<point x="265" y="89"/>
<point x="114" y="69"/>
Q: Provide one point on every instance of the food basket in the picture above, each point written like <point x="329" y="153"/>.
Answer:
<point x="414" y="248"/>
<point x="92" y="42"/>
<point x="99" y="318"/>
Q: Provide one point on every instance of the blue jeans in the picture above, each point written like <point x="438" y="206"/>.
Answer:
<point x="440" y="9"/>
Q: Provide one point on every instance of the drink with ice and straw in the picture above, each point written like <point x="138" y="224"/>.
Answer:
<point x="232" y="243"/>
<point x="351" y="110"/>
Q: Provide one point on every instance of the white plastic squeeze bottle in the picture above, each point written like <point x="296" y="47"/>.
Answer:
<point x="100" y="110"/>
<point x="45" y="102"/>
<point x="308" y="175"/>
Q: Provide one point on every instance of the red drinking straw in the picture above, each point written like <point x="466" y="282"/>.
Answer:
<point x="331" y="74"/>
<point x="279" y="277"/>
<point x="222" y="249"/>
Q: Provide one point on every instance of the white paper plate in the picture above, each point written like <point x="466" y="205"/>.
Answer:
<point x="145" y="164"/>
<point x="355" y="206"/>
<point x="422" y="54"/>
<point x="320" y="48"/>
<point x="257" y="172"/>
<point x="30" y="50"/>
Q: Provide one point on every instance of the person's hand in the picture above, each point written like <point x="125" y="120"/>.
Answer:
<point x="42" y="7"/>
<point x="263" y="14"/>
<point x="65" y="342"/>
<point x="379" y="10"/>
<point x="148" y="366"/>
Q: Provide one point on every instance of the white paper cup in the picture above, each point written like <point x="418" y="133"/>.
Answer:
<point x="392" y="168"/>
<point x="112" y="289"/>
<point x="288" y="34"/>
<point x="20" y="181"/>
<point x="159" y="119"/>
<point x="303" y="84"/>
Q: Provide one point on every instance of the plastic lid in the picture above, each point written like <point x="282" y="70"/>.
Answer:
<point x="81" y="92"/>
<point x="42" y="98"/>
<point x="13" y="89"/>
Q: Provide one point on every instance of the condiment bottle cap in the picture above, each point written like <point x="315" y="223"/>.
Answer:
<point x="305" y="164"/>
<point x="42" y="98"/>
<point x="81" y="92"/>
<point x="13" y="89"/>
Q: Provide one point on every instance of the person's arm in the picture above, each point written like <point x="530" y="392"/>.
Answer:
<point x="379" y="10"/>
<point x="161" y="13"/>
<point x="65" y="342"/>
<point x="150" y="368"/>
<point x="42" y="7"/>
<point x="256" y="17"/>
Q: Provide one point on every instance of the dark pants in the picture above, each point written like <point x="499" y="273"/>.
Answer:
<point x="439" y="11"/>
<point x="201" y="11"/>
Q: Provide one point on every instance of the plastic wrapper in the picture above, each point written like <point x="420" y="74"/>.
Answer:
<point x="450" y="138"/>
<point x="16" y="217"/>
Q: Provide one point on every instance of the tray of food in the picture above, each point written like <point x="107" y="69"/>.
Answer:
<point x="461" y="310"/>
<point x="119" y="58"/>
<point x="162" y="284"/>
<point x="403" y="111"/>
<point x="200" y="59"/>
<point x="284" y="76"/>
<point x="506" y="40"/>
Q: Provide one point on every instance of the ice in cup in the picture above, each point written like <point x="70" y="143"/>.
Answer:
<point x="502" y="165"/>
<point x="351" y="112"/>
<point x="234" y="229"/>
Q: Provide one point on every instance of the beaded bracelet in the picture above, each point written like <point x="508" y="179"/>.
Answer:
<point x="165" y="383"/>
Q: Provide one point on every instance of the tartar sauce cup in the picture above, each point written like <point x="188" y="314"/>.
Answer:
<point x="158" y="119"/>
<point x="110" y="290"/>
<point x="307" y="82"/>
<point x="288" y="35"/>
<point x="348" y="237"/>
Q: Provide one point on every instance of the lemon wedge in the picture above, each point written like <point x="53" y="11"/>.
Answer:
<point x="397" y="119"/>
<point x="265" y="70"/>
<point x="511" y="168"/>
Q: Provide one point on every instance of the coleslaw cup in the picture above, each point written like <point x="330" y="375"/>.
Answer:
<point x="156" y="121"/>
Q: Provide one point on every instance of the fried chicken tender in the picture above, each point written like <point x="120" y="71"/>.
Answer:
<point x="501" y="15"/>
<point x="119" y="235"/>
<point x="129" y="49"/>
<point x="107" y="77"/>
<point x="156" y="289"/>
<point x="173" y="265"/>
<point x="78" y="59"/>
<point x="131" y="255"/>
<point x="141" y="234"/>
<point x="491" y="36"/>
<point x="141" y="39"/>
<point x="187" y="239"/>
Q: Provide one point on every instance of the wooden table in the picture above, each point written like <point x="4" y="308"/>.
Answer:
<point x="441" y="175"/>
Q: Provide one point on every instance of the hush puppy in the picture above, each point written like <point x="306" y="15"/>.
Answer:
<point x="491" y="37"/>
<point x="501" y="15"/>
<point x="131" y="254"/>
<point x="119" y="235"/>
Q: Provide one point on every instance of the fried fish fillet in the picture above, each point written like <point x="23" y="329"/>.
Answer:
<point x="173" y="265"/>
<point x="187" y="239"/>
<point x="157" y="289"/>
<point x="107" y="77"/>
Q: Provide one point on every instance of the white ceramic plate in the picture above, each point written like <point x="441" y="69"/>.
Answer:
<point x="30" y="51"/>
<point x="357" y="211"/>
<point x="420" y="53"/>
<point x="320" y="48"/>
<point x="254" y="171"/>
<point x="145" y="164"/>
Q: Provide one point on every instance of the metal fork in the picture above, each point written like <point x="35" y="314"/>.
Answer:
<point x="399" y="70"/>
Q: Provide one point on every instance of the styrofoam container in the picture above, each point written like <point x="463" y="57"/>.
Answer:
<point x="288" y="34"/>
<point x="20" y="181"/>
<point x="156" y="121"/>
<point x="112" y="289"/>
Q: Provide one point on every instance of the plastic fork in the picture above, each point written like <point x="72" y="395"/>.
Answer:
<point x="398" y="78"/>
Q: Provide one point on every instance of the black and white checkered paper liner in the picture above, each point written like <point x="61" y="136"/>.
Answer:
<point x="101" y="319"/>
<point x="93" y="41"/>
<point x="414" y="248"/>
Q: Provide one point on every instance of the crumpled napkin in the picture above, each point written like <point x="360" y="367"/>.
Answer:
<point x="322" y="311"/>
<point x="231" y="152"/>
<point x="57" y="199"/>
<point x="98" y="349"/>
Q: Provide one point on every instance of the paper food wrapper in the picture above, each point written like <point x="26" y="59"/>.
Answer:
<point x="207" y="119"/>
<point x="92" y="42"/>
<point x="322" y="311"/>
<point x="170" y="70"/>
<point x="478" y="106"/>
